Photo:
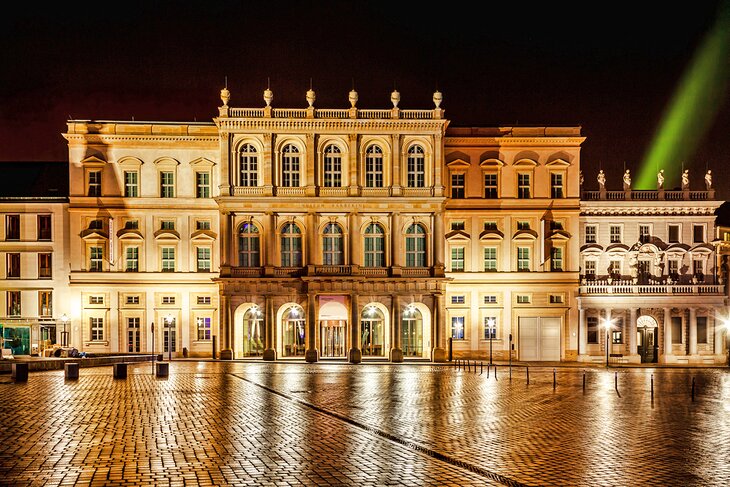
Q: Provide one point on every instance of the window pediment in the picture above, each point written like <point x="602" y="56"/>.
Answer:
<point x="166" y="234"/>
<point x="458" y="236"/>
<point x="559" y="235"/>
<point x="702" y="248"/>
<point x="526" y="163"/>
<point x="204" y="235"/>
<point x="591" y="249"/>
<point x="202" y="162"/>
<point x="525" y="235"/>
<point x="93" y="161"/>
<point x="130" y="162"/>
<point x="167" y="162"/>
<point x="94" y="233"/>
<point x="458" y="164"/>
<point x="491" y="163"/>
<point x="558" y="163"/>
<point x="129" y="234"/>
<point x="617" y="248"/>
<point x="491" y="235"/>
<point x="678" y="248"/>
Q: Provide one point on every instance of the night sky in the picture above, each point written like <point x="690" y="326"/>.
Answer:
<point x="610" y="67"/>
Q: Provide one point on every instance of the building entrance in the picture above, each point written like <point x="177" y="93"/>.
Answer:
<point x="332" y="337"/>
<point x="646" y="339"/>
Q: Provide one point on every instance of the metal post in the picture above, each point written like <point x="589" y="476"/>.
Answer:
<point x="153" y="347"/>
<point x="490" y="344"/>
<point x="606" y="346"/>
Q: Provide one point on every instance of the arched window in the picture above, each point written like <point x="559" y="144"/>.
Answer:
<point x="415" y="246"/>
<point x="374" y="167"/>
<point x="412" y="332"/>
<point x="253" y="332"/>
<point x="374" y="246"/>
<point x="290" y="167"/>
<point x="248" y="164"/>
<point x="291" y="246"/>
<point x="332" y="245"/>
<point x="332" y="167"/>
<point x="249" y="245"/>
<point x="293" y="327"/>
<point x="416" y="167"/>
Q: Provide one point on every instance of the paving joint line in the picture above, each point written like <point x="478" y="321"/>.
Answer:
<point x="383" y="434"/>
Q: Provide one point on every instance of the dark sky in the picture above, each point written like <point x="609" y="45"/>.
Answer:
<point x="610" y="67"/>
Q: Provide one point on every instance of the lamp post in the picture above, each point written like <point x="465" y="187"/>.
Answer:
<point x="490" y="324"/>
<point x="169" y="318"/>
<point x="64" y="333"/>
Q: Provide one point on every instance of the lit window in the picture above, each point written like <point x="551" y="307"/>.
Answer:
<point x="168" y="259"/>
<point x="457" y="327"/>
<point x="490" y="327"/>
<point x="248" y="166"/>
<point x="132" y="259"/>
<point x="203" y="259"/>
<point x="291" y="246"/>
<point x="374" y="246"/>
<point x="13" y="303"/>
<point x="490" y="259"/>
<point x="416" y="167"/>
<point x="523" y="258"/>
<point x="131" y="184"/>
<point x="332" y="245"/>
<point x="202" y="185"/>
<point x="457" y="259"/>
<point x="97" y="329"/>
<point x="332" y="167"/>
<point x="45" y="303"/>
<point x="415" y="246"/>
<point x="204" y="328"/>
<point x="44" y="266"/>
<point x="96" y="256"/>
<point x="556" y="259"/>
<point x="374" y="167"/>
<point x="248" y="245"/>
<point x="290" y="161"/>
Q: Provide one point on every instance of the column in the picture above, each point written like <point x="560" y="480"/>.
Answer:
<point x="438" y="154"/>
<point x="355" y="350"/>
<point x="438" y="244"/>
<point x="352" y="168"/>
<point x="354" y="239"/>
<point x="270" y="345"/>
<point x="582" y="332"/>
<point x="396" y="170"/>
<point x="311" y="355"/>
<point x="225" y="240"/>
<point x="439" y="312"/>
<point x="396" y="352"/>
<point x="225" y="345"/>
<point x="719" y="337"/>
<point x="693" y="331"/>
<point x="633" y="350"/>
<point x="268" y="245"/>
<point x="225" y="170"/>
<point x="311" y="236"/>
<point x="267" y="165"/>
<point x="667" y="333"/>
<point x="396" y="256"/>
<point x="312" y="156"/>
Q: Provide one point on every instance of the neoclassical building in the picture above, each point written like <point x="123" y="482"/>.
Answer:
<point x="358" y="234"/>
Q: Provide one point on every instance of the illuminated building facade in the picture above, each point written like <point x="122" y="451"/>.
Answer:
<point x="369" y="235"/>
<point x="649" y="270"/>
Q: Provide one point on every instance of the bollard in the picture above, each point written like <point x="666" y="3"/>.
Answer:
<point x="71" y="370"/>
<point x="554" y="379"/>
<point x="495" y="371"/>
<point x="693" y="389"/>
<point x="481" y="368"/>
<point x="19" y="372"/>
<point x="527" y="370"/>
<point x="615" y="380"/>
<point x="584" y="380"/>
<point x="652" y="386"/>
<point x="120" y="371"/>
<point x="488" y="367"/>
<point x="162" y="369"/>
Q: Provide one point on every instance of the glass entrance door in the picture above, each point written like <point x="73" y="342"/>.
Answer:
<point x="412" y="336"/>
<point x="253" y="340"/>
<point x="372" y="336"/>
<point x="647" y="344"/>
<point x="332" y="337"/>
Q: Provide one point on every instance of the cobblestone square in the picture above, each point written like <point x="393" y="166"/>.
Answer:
<point x="256" y="423"/>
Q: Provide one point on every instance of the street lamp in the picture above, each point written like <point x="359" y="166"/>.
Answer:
<point x="169" y="318"/>
<point x="490" y="324"/>
<point x="64" y="333"/>
<point x="607" y="324"/>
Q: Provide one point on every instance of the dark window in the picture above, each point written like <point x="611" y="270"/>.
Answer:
<point x="13" y="265"/>
<point x="673" y="233"/>
<point x="457" y="186"/>
<point x="698" y="233"/>
<point x="44" y="227"/>
<point x="592" y="325"/>
<point x="676" y="329"/>
<point x="12" y="227"/>
<point x="490" y="186"/>
<point x="702" y="329"/>
<point x="44" y="266"/>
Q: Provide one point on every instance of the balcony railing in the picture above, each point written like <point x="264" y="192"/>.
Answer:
<point x="651" y="289"/>
<point x="649" y="195"/>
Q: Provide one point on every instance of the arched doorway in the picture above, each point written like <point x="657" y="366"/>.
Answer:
<point x="647" y="339"/>
<point x="292" y="332"/>
<point x="416" y="331"/>
<point x="332" y="327"/>
<point x="253" y="332"/>
<point x="372" y="331"/>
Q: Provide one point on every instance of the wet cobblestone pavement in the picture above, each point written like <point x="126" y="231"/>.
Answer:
<point x="234" y="423"/>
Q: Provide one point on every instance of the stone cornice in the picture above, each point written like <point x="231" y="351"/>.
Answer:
<point x="119" y="140"/>
<point x="540" y="141"/>
<point x="639" y="210"/>
<point x="361" y="126"/>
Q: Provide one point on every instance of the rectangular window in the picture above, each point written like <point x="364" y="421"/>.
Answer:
<point x="460" y="299"/>
<point x="673" y="233"/>
<point x="94" y="183"/>
<point x="45" y="303"/>
<point x="203" y="259"/>
<point x="13" y="265"/>
<point x="97" y="329"/>
<point x="167" y="184"/>
<point x="96" y="225"/>
<point x="96" y="256"/>
<point x="615" y="232"/>
<point x="168" y="299"/>
<point x="674" y="268"/>
<point x="457" y="226"/>
<point x="203" y="300"/>
<point x="556" y="299"/>
<point x="204" y="327"/>
<point x="523" y="225"/>
<point x="556" y="225"/>
<point x="202" y="225"/>
<point x="12" y="227"/>
<point x="131" y="225"/>
<point x="132" y="259"/>
<point x="523" y="258"/>
<point x="13" y="303"/>
<point x="457" y="186"/>
<point x="131" y="184"/>
<point x="44" y="227"/>
<point x="490" y="299"/>
<point x="490" y="259"/>
<point x="490" y="225"/>
<point x="702" y="329"/>
<point x="614" y="269"/>
<point x="556" y="259"/>
<point x="132" y="299"/>
<point x="523" y="299"/>
<point x="133" y="334"/>
<point x="523" y="186"/>
<point x="556" y="185"/>
<point x="617" y="336"/>
<point x="167" y="225"/>
<point x="457" y="259"/>
<point x="677" y="329"/>
<point x="698" y="233"/>
<point x="590" y="270"/>
<point x="590" y="232"/>
<point x="644" y="233"/>
<point x="490" y="327"/>
<point x="44" y="266"/>
<point x="490" y="186"/>
<point x="202" y="185"/>
<point x="168" y="259"/>
<point x="592" y="329"/>
<point x="457" y="327"/>
<point x="96" y="299"/>
<point x="698" y="269"/>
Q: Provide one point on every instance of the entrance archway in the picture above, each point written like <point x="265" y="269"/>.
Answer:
<point x="416" y="331"/>
<point x="291" y="330"/>
<point x="647" y="339"/>
<point x="374" y="336"/>
<point x="332" y="327"/>
<point x="248" y="339"/>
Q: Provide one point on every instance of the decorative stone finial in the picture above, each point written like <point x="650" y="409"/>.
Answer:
<point x="268" y="96"/>
<point x="225" y="96"/>
<point x="352" y="97"/>
<point x="311" y="97"/>
<point x="395" y="98"/>
<point x="437" y="98"/>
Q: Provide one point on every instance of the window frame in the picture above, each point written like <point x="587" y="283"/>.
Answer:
<point x="131" y="188"/>
<point x="416" y="167"/>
